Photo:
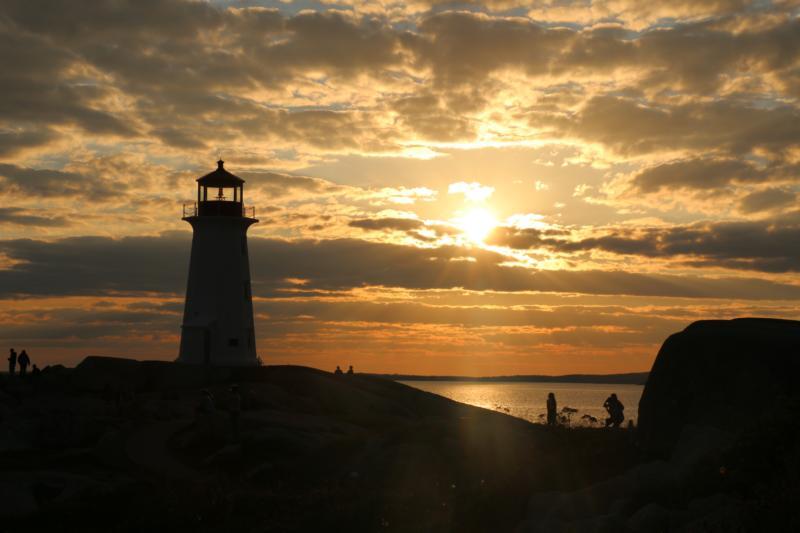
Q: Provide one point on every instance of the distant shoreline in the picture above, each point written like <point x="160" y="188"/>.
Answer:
<point x="634" y="378"/>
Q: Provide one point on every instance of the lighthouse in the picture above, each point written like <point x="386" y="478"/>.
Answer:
<point x="218" y="327"/>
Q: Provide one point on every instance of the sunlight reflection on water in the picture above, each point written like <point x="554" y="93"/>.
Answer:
<point x="527" y="400"/>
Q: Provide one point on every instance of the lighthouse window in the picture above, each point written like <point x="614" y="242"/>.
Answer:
<point x="233" y="341"/>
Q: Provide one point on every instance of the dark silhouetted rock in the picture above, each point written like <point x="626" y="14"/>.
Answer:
<point x="722" y="374"/>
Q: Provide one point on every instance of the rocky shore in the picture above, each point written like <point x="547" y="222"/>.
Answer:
<point x="121" y="445"/>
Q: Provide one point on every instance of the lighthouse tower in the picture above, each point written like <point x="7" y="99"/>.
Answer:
<point x="218" y="324"/>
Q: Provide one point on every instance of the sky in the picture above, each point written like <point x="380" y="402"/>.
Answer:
<point x="505" y="187"/>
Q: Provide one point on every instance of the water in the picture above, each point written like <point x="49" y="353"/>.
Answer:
<point x="527" y="400"/>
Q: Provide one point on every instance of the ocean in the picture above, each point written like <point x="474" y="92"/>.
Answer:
<point x="527" y="400"/>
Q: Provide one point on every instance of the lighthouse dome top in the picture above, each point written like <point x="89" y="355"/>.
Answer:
<point x="220" y="177"/>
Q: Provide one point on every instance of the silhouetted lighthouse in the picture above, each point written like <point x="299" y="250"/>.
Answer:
<point x="218" y="324"/>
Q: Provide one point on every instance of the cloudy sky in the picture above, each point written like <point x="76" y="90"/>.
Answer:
<point x="507" y="187"/>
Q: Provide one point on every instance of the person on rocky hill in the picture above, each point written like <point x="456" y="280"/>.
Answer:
<point x="24" y="362"/>
<point x="12" y="362"/>
<point x="552" y="410"/>
<point x="616" y="411"/>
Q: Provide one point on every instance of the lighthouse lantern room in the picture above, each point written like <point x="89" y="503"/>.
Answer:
<point x="218" y="327"/>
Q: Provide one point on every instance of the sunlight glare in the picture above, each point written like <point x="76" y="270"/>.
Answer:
<point x="477" y="224"/>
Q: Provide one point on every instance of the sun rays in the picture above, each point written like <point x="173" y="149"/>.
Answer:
<point x="476" y="224"/>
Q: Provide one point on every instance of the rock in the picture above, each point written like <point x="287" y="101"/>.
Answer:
<point x="16" y="498"/>
<point x="651" y="517"/>
<point x="722" y="374"/>
<point x="696" y="443"/>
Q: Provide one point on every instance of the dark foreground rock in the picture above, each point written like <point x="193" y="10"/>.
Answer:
<point x="725" y="374"/>
<point x="118" y="445"/>
<point x="719" y="433"/>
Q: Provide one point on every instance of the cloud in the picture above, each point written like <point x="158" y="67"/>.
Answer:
<point x="23" y="217"/>
<point x="474" y="191"/>
<point x="399" y="224"/>
<point x="767" y="199"/>
<point x="56" y="183"/>
<point x="765" y="246"/>
<point x="276" y="184"/>
<point x="632" y="128"/>
<point x="14" y="141"/>
<point x="100" y="265"/>
<point x="427" y="116"/>
<point x="702" y="174"/>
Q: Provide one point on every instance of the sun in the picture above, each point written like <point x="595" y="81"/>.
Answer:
<point x="476" y="224"/>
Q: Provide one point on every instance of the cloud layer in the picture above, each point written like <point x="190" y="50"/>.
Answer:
<point x="641" y="159"/>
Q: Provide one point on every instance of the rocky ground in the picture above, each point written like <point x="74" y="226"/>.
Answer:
<point x="118" y="445"/>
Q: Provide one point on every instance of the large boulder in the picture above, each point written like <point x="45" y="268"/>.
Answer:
<point x="721" y="374"/>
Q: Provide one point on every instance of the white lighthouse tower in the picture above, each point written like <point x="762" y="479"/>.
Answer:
<point x="218" y="326"/>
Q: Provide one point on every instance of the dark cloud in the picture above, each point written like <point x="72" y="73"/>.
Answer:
<point x="463" y="48"/>
<point x="767" y="199"/>
<point x="417" y="229"/>
<point x="632" y="127"/>
<point x="428" y="116"/>
<point x="14" y="141"/>
<point x="399" y="224"/>
<point x="56" y="183"/>
<point x="277" y="184"/>
<point x="189" y="70"/>
<point x="100" y="265"/>
<point x="24" y="217"/>
<point x="702" y="174"/>
<point x="767" y="246"/>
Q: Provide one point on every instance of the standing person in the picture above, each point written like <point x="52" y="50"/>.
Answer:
<point x="12" y="362"/>
<point x="615" y="410"/>
<point x="350" y="371"/>
<point x="552" y="409"/>
<point x="24" y="362"/>
<point x="338" y="371"/>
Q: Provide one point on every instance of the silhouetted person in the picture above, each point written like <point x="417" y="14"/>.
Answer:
<point x="12" y="362"/>
<point x="235" y="409"/>
<point x="338" y="371"/>
<point x="552" y="409"/>
<point x="615" y="411"/>
<point x="35" y="371"/>
<point x="24" y="362"/>
<point x="350" y="371"/>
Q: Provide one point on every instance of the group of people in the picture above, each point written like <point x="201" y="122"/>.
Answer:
<point x="339" y="372"/>
<point x="612" y="405"/>
<point x="23" y="360"/>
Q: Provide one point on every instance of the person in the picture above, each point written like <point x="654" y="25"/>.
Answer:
<point x="35" y="371"/>
<point x="12" y="362"/>
<point x="24" y="361"/>
<point x="615" y="411"/>
<point x="235" y="409"/>
<point x="338" y="371"/>
<point x="552" y="409"/>
<point x="350" y="371"/>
